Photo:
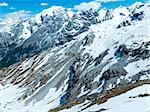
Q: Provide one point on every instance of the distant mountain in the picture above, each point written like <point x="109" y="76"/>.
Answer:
<point x="66" y="61"/>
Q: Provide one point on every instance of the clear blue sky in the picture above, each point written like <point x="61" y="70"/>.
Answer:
<point x="35" y="7"/>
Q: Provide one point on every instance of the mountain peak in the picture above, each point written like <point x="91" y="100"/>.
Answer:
<point x="56" y="9"/>
<point x="61" y="60"/>
<point x="50" y="11"/>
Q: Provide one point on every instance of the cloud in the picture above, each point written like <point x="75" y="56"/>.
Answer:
<point x="3" y="4"/>
<point x="44" y="4"/>
<point x="12" y="8"/>
<point x="17" y="16"/>
<point x="105" y="1"/>
<point x="96" y="4"/>
<point x="88" y="5"/>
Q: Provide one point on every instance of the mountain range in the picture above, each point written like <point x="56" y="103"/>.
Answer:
<point x="84" y="61"/>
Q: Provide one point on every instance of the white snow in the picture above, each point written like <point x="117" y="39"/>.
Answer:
<point x="82" y="92"/>
<point x="136" y="67"/>
<point x="106" y="37"/>
<point x="9" y="103"/>
<point x="121" y="103"/>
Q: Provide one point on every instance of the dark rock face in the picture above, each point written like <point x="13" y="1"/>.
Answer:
<point x="137" y="16"/>
<point x="134" y="17"/>
<point x="124" y="24"/>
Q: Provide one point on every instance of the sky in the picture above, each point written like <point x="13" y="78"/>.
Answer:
<point x="35" y="6"/>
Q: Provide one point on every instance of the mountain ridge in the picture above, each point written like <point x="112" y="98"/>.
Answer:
<point x="80" y="57"/>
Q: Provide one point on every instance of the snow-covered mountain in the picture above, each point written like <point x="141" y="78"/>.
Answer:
<point x="66" y="61"/>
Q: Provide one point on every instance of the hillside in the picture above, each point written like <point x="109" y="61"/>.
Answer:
<point x="66" y="61"/>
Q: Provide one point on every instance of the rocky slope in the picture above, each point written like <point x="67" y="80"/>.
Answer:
<point x="60" y="60"/>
